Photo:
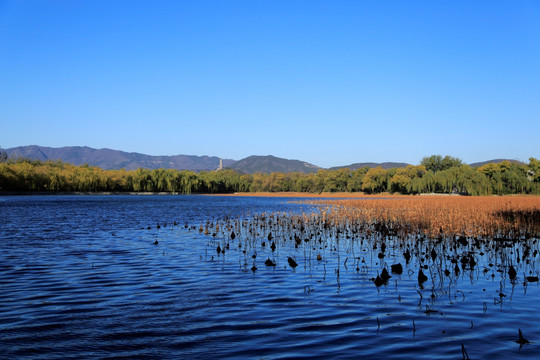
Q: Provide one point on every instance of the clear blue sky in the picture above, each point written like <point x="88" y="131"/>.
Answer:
<point x="328" y="82"/>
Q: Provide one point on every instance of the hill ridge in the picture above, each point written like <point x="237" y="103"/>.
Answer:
<point x="107" y="159"/>
<point x="270" y="163"/>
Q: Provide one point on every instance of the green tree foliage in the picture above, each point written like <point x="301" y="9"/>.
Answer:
<point x="407" y="180"/>
<point x="510" y="178"/>
<point x="356" y="179"/>
<point x="374" y="181"/>
<point x="533" y="172"/>
<point x="435" y="175"/>
<point x="438" y="163"/>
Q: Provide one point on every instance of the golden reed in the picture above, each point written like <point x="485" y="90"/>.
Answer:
<point x="484" y="217"/>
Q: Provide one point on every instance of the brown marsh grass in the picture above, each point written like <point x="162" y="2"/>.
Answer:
<point x="304" y="194"/>
<point x="484" y="217"/>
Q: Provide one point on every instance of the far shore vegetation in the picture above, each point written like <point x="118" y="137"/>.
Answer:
<point x="435" y="174"/>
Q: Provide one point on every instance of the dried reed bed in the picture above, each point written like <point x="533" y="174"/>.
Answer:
<point x="435" y="216"/>
<point x="289" y="194"/>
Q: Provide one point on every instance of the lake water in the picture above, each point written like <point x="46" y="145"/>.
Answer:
<point x="83" y="277"/>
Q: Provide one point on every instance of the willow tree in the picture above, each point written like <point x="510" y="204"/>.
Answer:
<point x="438" y="163"/>
<point x="375" y="180"/>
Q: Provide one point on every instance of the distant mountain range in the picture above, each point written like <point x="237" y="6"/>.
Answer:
<point x="384" y="165"/>
<point x="494" y="161"/>
<point x="269" y="164"/>
<point x="116" y="159"/>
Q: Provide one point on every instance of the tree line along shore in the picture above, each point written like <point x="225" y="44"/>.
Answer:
<point x="435" y="174"/>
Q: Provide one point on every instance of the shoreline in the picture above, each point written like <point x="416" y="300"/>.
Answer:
<point x="326" y="195"/>
<point x="304" y="195"/>
<point x="236" y="194"/>
<point x="67" y="193"/>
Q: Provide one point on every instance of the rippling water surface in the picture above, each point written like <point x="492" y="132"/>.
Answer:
<point x="82" y="277"/>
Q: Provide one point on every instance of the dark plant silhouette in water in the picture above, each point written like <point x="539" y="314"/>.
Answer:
<point x="382" y="278"/>
<point x="269" y="262"/>
<point x="385" y="275"/>
<point x="512" y="272"/>
<point x="422" y="278"/>
<point x="292" y="262"/>
<point x="521" y="340"/>
<point x="464" y="353"/>
<point x="397" y="269"/>
<point x="322" y="237"/>
<point x="407" y="256"/>
<point x="378" y="281"/>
